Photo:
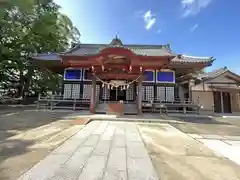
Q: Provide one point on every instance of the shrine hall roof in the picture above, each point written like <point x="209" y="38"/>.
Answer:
<point x="144" y="50"/>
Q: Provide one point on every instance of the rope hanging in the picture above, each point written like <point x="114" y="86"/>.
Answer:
<point x="111" y="85"/>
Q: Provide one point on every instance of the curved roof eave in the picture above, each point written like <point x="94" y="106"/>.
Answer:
<point x="146" y="50"/>
<point x="192" y="59"/>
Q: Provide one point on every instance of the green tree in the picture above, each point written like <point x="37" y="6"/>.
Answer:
<point x="28" y="27"/>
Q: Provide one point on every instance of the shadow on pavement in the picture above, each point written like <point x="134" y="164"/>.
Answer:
<point x="10" y="148"/>
<point x="9" y="152"/>
<point x="15" y="123"/>
<point x="14" y="109"/>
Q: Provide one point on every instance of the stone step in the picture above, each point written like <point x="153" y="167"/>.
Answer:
<point x="128" y="108"/>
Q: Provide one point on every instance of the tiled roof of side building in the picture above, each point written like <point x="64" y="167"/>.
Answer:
<point x="213" y="73"/>
<point x="192" y="59"/>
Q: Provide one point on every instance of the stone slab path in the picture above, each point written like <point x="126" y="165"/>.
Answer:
<point x="100" y="151"/>
<point x="226" y="146"/>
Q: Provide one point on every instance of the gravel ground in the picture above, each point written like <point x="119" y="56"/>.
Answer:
<point x="26" y="137"/>
<point x="177" y="156"/>
<point x="222" y="126"/>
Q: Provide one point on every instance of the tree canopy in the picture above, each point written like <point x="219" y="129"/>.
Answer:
<point x="28" y="27"/>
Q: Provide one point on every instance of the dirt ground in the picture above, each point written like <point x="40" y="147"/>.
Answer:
<point x="26" y="137"/>
<point x="177" y="156"/>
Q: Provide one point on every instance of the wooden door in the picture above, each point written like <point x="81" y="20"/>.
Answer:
<point x="226" y="102"/>
<point x="121" y="94"/>
<point x="217" y="102"/>
<point x="113" y="94"/>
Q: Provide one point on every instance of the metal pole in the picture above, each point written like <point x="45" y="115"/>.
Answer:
<point x="116" y="93"/>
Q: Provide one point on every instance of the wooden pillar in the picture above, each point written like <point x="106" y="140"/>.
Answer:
<point x="222" y="105"/>
<point x="139" y="106"/>
<point x="93" y="95"/>
<point x="190" y="85"/>
<point x="238" y="101"/>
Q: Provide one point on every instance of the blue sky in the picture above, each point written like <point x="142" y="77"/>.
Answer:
<point x="192" y="27"/>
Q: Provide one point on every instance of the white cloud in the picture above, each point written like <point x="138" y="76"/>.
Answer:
<point x="193" y="28"/>
<point x="149" y="19"/>
<point x="193" y="7"/>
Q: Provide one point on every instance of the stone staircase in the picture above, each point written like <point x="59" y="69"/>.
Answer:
<point x="129" y="109"/>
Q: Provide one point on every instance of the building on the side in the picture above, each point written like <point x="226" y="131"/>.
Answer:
<point x="116" y="73"/>
<point x="218" y="91"/>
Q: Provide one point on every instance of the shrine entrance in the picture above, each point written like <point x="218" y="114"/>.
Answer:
<point x="117" y="68"/>
<point x="117" y="94"/>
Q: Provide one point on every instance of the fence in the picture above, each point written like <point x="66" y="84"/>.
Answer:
<point x="59" y="102"/>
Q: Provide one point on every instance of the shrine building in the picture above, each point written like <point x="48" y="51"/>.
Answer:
<point x="118" y="74"/>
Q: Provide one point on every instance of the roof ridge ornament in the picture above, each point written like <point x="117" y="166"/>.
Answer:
<point x="116" y="42"/>
<point x="117" y="36"/>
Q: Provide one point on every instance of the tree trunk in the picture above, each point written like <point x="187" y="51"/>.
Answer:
<point x="21" y="84"/>
<point x="28" y="79"/>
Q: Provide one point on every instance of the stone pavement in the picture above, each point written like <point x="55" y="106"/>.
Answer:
<point x="100" y="151"/>
<point x="226" y="146"/>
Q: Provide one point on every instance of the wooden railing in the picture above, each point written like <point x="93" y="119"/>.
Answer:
<point x="56" y="101"/>
<point x="59" y="102"/>
<point x="177" y="106"/>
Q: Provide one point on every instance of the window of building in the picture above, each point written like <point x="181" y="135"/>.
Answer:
<point x="170" y="94"/>
<point x="149" y="76"/>
<point x="166" y="76"/>
<point x="161" y="94"/>
<point x="67" y="91"/>
<point x="129" y="93"/>
<point x="71" y="91"/>
<point x="105" y="93"/>
<point x="165" y="94"/>
<point x="72" y="74"/>
<point x="87" y="89"/>
<point x="149" y="93"/>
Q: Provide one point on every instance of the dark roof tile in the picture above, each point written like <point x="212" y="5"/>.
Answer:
<point x="192" y="59"/>
<point x="213" y="73"/>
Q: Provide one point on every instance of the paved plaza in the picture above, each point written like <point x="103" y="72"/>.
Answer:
<point x="58" y="145"/>
<point x="100" y="151"/>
